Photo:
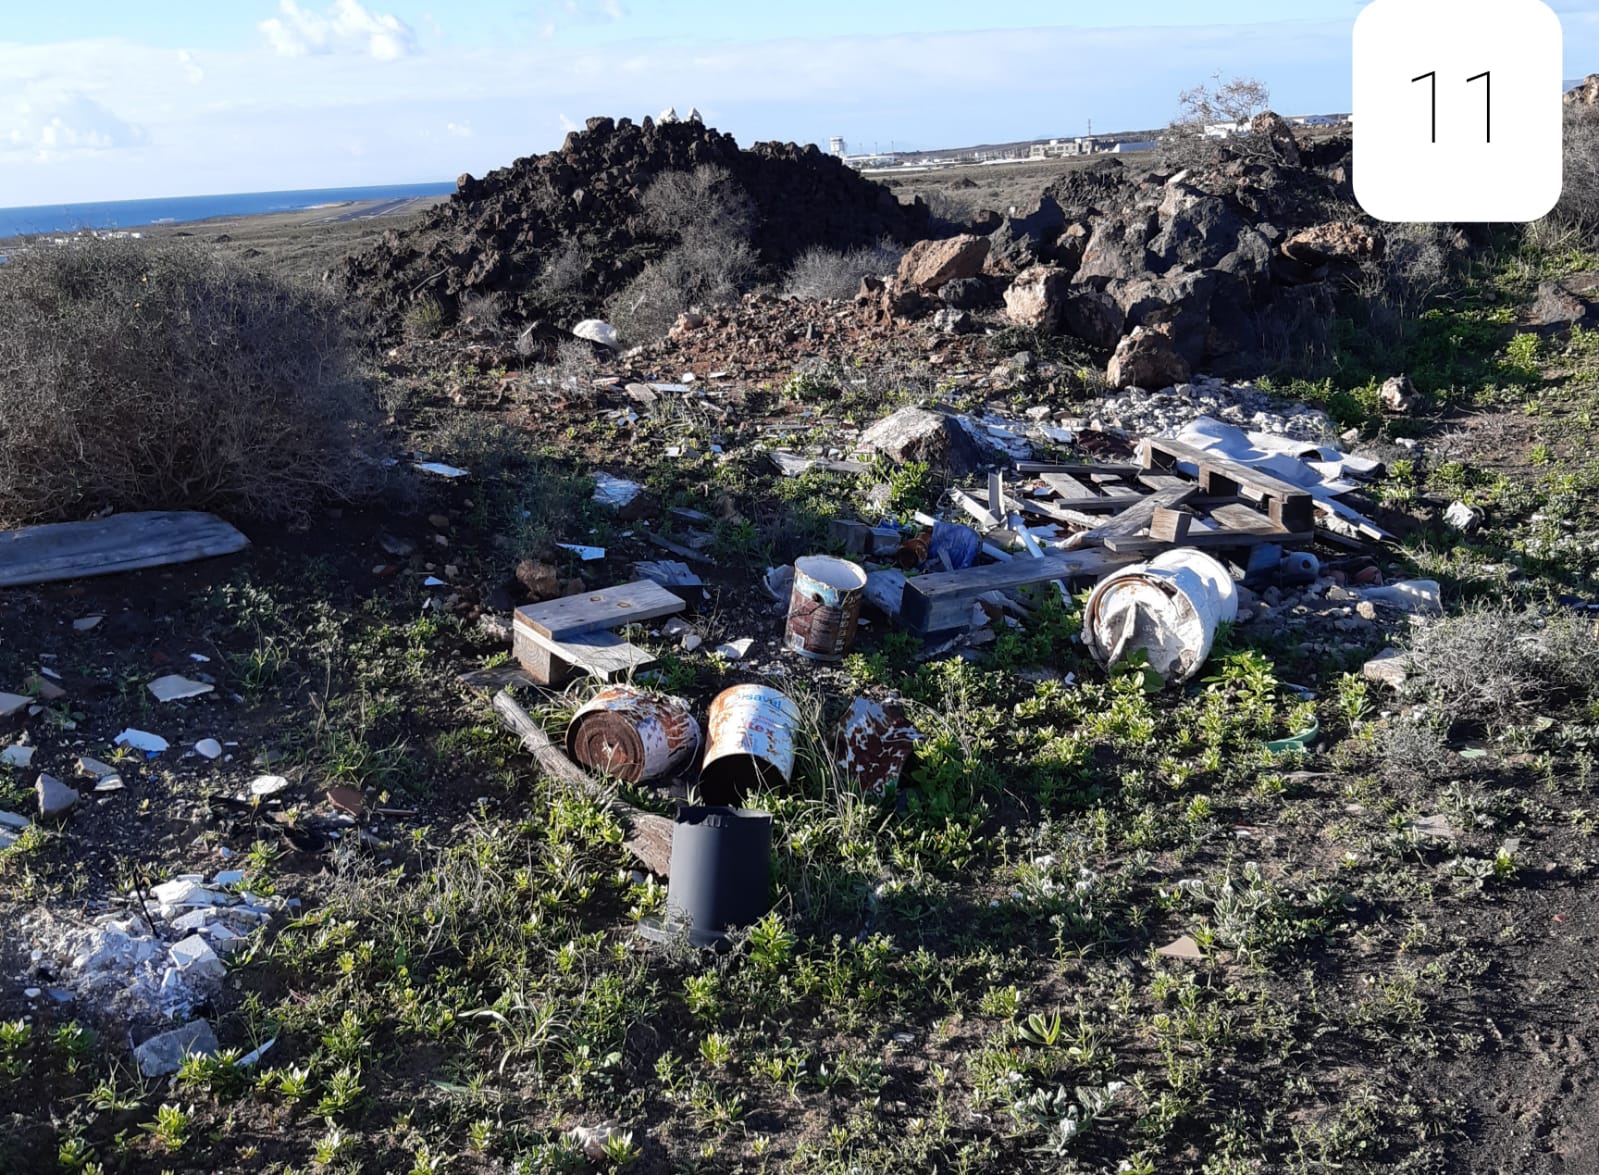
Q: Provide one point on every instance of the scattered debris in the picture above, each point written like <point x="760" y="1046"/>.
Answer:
<point x="824" y="608"/>
<point x="263" y="786"/>
<point x="615" y="491"/>
<point x="1181" y="948"/>
<point x="86" y="623"/>
<point x="596" y="331"/>
<point x="163" y="1055"/>
<point x="142" y="740"/>
<point x="552" y="638"/>
<point x="17" y="755"/>
<point x="12" y="703"/>
<point x="1167" y="609"/>
<point x="1466" y="519"/>
<point x="1391" y="667"/>
<point x="587" y="554"/>
<point x="439" y="469"/>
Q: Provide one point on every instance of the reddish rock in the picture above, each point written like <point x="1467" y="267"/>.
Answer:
<point x="1037" y="298"/>
<point x="927" y="265"/>
<point x="540" y="580"/>
<point x="1339" y="242"/>
<point x="1148" y="359"/>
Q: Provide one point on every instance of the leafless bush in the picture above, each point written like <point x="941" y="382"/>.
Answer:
<point x="1231" y="101"/>
<point x="1397" y="286"/>
<point x="482" y="312"/>
<point x="561" y="278"/>
<point x="1491" y="664"/>
<point x="709" y="219"/>
<point x="143" y="376"/>
<point x="1578" y="209"/>
<point x="828" y="273"/>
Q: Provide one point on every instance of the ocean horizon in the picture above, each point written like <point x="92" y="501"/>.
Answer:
<point x="113" y="215"/>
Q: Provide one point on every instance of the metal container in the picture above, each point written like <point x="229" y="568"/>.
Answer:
<point x="825" y="606"/>
<point x="721" y="872"/>
<point x="1167" y="608"/>
<point x="875" y="742"/>
<point x="751" y="743"/>
<point x="633" y="735"/>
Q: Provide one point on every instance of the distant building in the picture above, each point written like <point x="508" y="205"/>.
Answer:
<point x="835" y="146"/>
<point x="1129" y="145"/>
<point x="1227" y="130"/>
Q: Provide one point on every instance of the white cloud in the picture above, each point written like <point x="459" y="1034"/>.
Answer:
<point x="461" y="130"/>
<point x="191" y="67"/>
<point x="56" y="128"/>
<point x="553" y="15"/>
<point x="347" y="27"/>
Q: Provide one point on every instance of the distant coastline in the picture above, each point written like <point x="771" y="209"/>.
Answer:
<point x="119" y="215"/>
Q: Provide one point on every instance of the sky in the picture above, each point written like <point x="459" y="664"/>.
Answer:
<point x="111" y="100"/>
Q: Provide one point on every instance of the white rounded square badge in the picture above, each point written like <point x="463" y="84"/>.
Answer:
<point x="1457" y="110"/>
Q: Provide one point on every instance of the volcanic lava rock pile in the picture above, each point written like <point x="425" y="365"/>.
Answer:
<point x="580" y="207"/>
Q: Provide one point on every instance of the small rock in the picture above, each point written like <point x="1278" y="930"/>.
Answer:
<point x="268" y="785"/>
<point x="1391" y="667"/>
<point x="55" y="797"/>
<point x="12" y="703"/>
<point x="17" y="756"/>
<point x="85" y="623"/>
<point x="591" y="1140"/>
<point x="692" y="641"/>
<point x="208" y="748"/>
<point x="1466" y="519"/>
<point x="163" y="1055"/>
<point x="398" y="547"/>
<point x="1399" y="396"/>
<point x="174" y="688"/>
<point x="1366" y="610"/>
<point x="45" y="689"/>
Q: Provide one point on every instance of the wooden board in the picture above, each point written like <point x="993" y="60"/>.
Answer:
<point x="105" y="546"/>
<point x="1203" y="539"/>
<point x="600" y="654"/>
<point x="935" y="603"/>
<point x="628" y="603"/>
<point x="1088" y="469"/>
<point x="1135" y="518"/>
<point x="1290" y="506"/>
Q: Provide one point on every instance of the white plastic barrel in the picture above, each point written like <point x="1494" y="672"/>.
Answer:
<point x="1167" y="608"/>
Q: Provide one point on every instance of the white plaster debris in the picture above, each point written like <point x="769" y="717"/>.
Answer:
<point x="12" y="703"/>
<point x="175" y="687"/>
<point x="587" y="554"/>
<point x="208" y="748"/>
<point x="439" y="469"/>
<point x="268" y="785"/>
<point x="85" y="623"/>
<point x="121" y="969"/>
<point x="17" y="756"/>
<point x="142" y="740"/>
<point x="615" y="491"/>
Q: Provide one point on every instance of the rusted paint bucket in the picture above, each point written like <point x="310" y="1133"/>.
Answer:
<point x="751" y="743"/>
<point x="875" y="742"/>
<point x="825" y="606"/>
<point x="633" y="735"/>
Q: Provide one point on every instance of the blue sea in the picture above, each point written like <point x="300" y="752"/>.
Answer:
<point x="131" y="214"/>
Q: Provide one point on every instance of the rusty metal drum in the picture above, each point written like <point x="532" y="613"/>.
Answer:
<point x="751" y="743"/>
<point x="825" y="607"/>
<point x="633" y="735"/>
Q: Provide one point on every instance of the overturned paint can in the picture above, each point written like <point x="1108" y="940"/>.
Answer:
<point x="751" y="743"/>
<point x="633" y="735"/>
<point x="825" y="606"/>
<point x="875" y="742"/>
<point x="1167" y="608"/>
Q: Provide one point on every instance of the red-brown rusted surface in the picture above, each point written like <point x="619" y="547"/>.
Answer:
<point x="633" y="735"/>
<point x="875" y="743"/>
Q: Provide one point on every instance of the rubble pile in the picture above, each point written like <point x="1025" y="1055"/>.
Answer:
<point x="152" y="965"/>
<point x="1166" y="412"/>
<point x="498" y="234"/>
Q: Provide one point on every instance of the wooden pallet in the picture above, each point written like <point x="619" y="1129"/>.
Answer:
<point x="1293" y="509"/>
<point x="553" y="639"/>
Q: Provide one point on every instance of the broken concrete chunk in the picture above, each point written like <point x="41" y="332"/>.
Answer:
<point x="735" y="650"/>
<point x="17" y="756"/>
<point x="13" y="703"/>
<point x="194" y="956"/>
<point x="1181" y="948"/>
<point x="55" y="797"/>
<point x="94" y="769"/>
<point x="85" y="623"/>
<point x="208" y="748"/>
<point x="1466" y="519"/>
<point x="163" y="1055"/>
<point x="175" y="687"/>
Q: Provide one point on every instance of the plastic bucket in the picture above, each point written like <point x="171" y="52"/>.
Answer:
<point x="721" y="872"/>
<point x="751" y="743"/>
<point x="1167" y="608"/>
<point x="825" y="606"/>
<point x="633" y="735"/>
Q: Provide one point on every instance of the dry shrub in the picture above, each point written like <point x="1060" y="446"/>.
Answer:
<point x="706" y="219"/>
<point x="1578" y="209"/>
<point x="1494" y="665"/>
<point x="142" y="376"/>
<point x="827" y="273"/>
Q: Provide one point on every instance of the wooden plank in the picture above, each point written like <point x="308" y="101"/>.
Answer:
<point x="677" y="549"/>
<point x="1203" y="539"/>
<point x="1290" y="506"/>
<point x="106" y="546"/>
<point x="1135" y="518"/>
<point x="1087" y="469"/>
<point x="1245" y="520"/>
<point x="628" y="603"/>
<point x="647" y="836"/>
<point x="599" y="654"/>
<point x="934" y="603"/>
<point x="976" y="509"/>
<point x="1170" y="525"/>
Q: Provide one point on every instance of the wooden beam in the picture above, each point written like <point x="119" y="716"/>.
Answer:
<point x="1135" y="518"/>
<point x="106" y="546"/>
<point x="647" y="836"/>
<point x="628" y="603"/>
<point x="1170" y="526"/>
<point x="1202" y="539"/>
<point x="942" y="601"/>
<point x="599" y="654"/>
<point x="1088" y="469"/>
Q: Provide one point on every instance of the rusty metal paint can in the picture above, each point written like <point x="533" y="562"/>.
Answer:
<point x="633" y="735"/>
<point x="875" y="741"/>
<point x="751" y="743"/>
<point x="824" y="607"/>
